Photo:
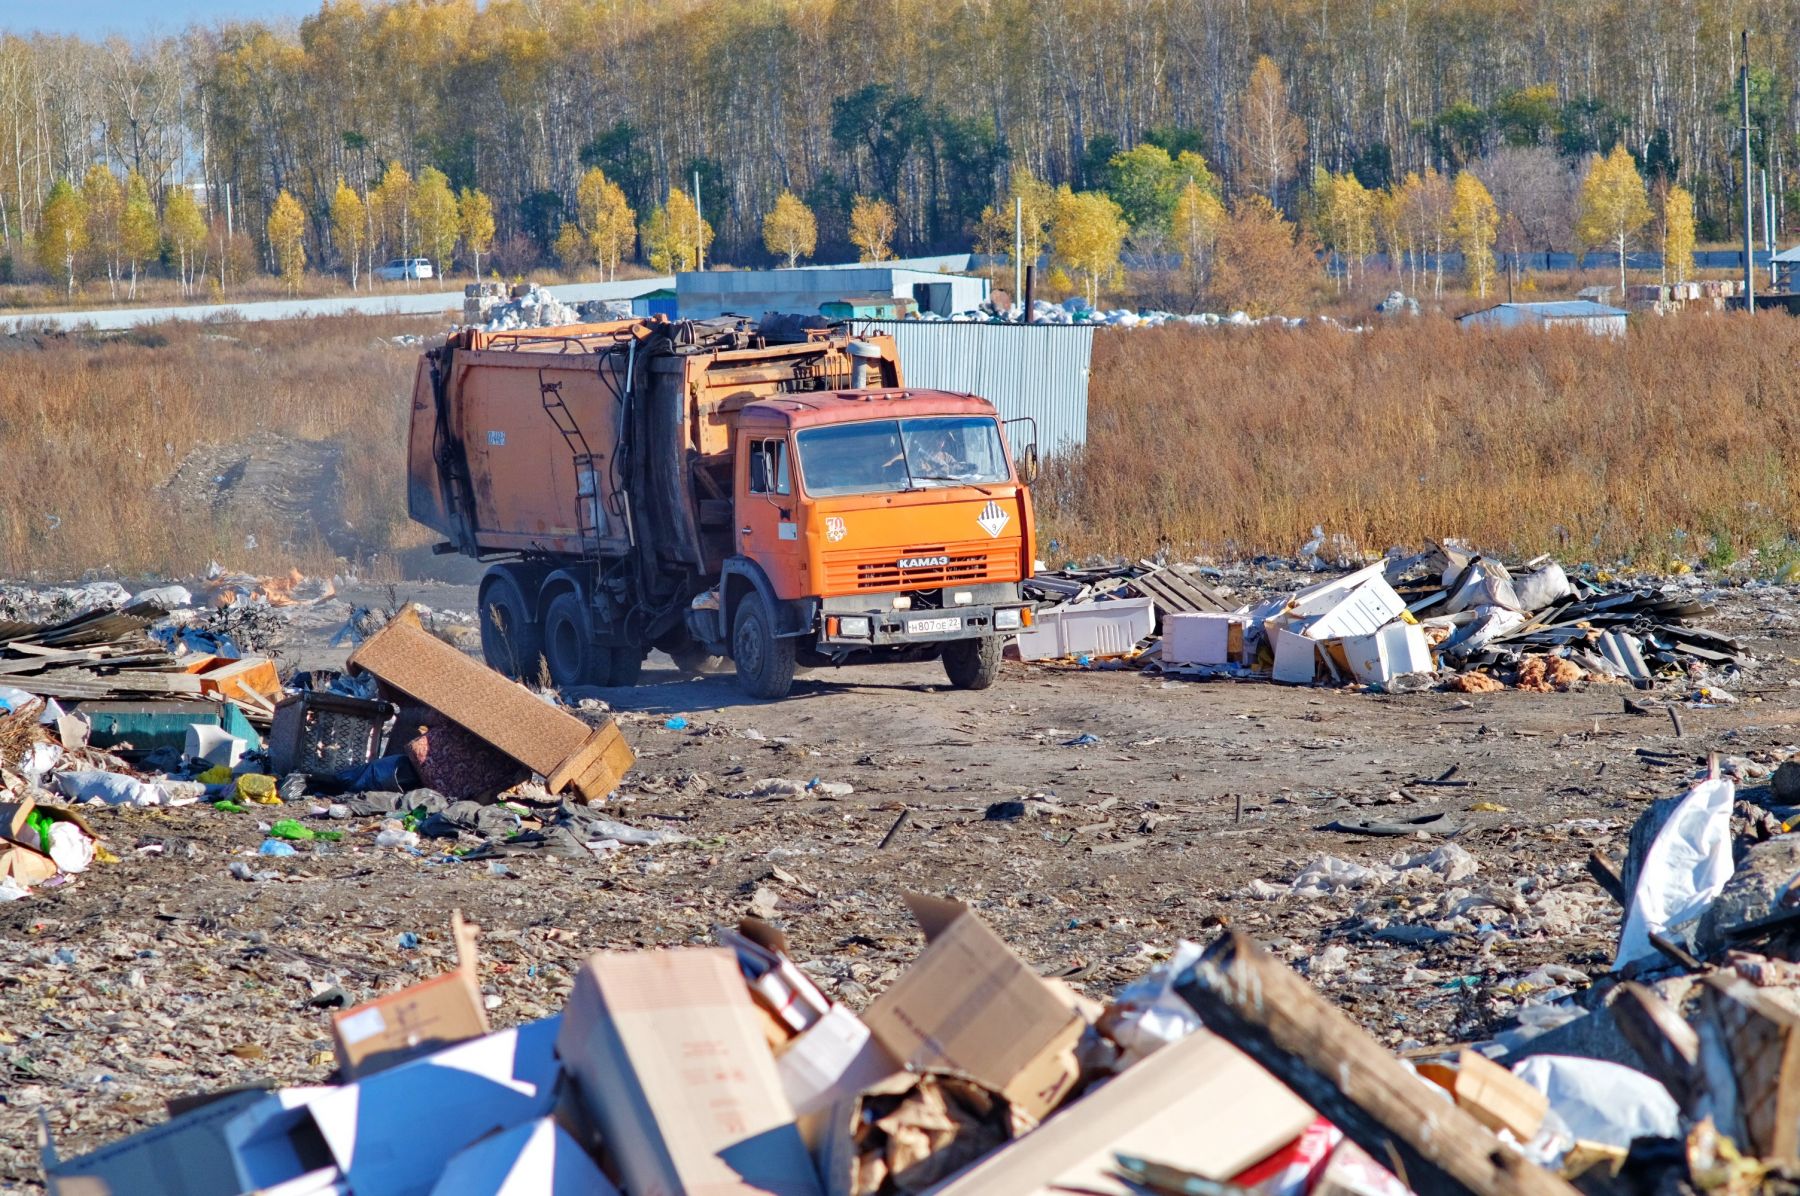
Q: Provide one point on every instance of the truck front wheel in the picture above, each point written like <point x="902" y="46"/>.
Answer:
<point x="973" y="664"/>
<point x="569" y="650"/>
<point x="765" y="661"/>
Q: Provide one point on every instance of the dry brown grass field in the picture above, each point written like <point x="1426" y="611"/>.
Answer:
<point x="1679" y="442"/>
<point x="93" y="431"/>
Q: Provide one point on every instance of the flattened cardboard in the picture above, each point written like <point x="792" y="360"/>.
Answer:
<point x="670" y="1063"/>
<point x="561" y="748"/>
<point x="538" y="1158"/>
<point x="1199" y="1104"/>
<point x="969" y="1005"/>
<point x="421" y="1018"/>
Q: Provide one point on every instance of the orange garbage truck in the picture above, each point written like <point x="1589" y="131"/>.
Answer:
<point x="715" y="492"/>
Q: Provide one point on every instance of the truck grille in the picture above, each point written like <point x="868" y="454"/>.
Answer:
<point x="880" y="570"/>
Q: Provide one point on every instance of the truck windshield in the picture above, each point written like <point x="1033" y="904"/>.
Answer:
<point x="884" y="456"/>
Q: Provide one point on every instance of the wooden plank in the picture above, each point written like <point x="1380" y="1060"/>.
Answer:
<point x="1606" y="874"/>
<point x="1667" y="1045"/>
<point x="1497" y="1098"/>
<point x="1270" y="1013"/>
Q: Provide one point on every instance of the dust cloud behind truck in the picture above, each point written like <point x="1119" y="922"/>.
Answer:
<point x="712" y="492"/>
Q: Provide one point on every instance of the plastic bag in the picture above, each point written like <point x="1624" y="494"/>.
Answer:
<point x="1148" y="1014"/>
<point x="110" y="787"/>
<point x="1687" y="864"/>
<point x="1598" y="1101"/>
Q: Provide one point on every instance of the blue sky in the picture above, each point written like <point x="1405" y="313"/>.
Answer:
<point x="134" y="18"/>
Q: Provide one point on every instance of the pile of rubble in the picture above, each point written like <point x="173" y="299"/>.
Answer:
<point x="132" y="707"/>
<point x="499" y="308"/>
<point x="1442" y="617"/>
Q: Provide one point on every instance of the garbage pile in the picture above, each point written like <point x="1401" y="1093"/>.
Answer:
<point x="1443" y="617"/>
<point x="458" y="737"/>
<point x="532" y="306"/>
<point x="726" y="1068"/>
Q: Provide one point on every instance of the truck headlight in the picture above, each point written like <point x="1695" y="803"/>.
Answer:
<point x="854" y="626"/>
<point x="1007" y="619"/>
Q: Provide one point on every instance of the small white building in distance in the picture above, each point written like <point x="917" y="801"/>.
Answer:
<point x="701" y="295"/>
<point x="1561" y="313"/>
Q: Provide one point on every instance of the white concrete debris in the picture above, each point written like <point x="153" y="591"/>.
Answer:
<point x="531" y="306"/>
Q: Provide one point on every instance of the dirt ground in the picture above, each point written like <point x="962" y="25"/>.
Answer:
<point x="1196" y="806"/>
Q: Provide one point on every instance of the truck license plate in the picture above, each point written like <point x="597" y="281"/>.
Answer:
<point x="929" y="626"/>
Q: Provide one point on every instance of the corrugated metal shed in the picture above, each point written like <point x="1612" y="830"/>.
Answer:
<point x="1035" y="370"/>
<point x="1594" y="317"/>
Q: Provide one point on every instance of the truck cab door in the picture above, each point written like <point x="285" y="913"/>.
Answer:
<point x="768" y="529"/>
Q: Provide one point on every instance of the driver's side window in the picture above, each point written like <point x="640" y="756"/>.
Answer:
<point x="769" y="467"/>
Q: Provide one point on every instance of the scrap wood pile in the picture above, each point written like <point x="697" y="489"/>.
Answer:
<point x="727" y="1069"/>
<point x="1441" y="617"/>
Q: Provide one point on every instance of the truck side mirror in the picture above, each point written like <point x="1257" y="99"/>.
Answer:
<point x="1028" y="468"/>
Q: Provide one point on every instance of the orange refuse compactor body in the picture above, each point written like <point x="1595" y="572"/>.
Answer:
<point x="714" y="493"/>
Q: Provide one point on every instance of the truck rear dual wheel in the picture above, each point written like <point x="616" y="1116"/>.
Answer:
<point x="973" y="664"/>
<point x="573" y="656"/>
<point x="511" y="640"/>
<point x="765" y="661"/>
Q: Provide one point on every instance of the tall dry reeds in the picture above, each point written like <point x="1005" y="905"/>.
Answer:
<point x="1679" y="440"/>
<point x="91" y="431"/>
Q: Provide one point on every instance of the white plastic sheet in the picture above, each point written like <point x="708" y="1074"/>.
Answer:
<point x="1605" y="1102"/>
<point x="1686" y="866"/>
<point x="1150" y="1013"/>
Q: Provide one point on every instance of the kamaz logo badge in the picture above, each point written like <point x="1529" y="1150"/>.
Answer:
<point x="924" y="562"/>
<point x="993" y="519"/>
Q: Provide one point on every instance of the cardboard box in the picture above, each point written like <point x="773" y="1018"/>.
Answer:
<point x="252" y="679"/>
<point x="424" y="1017"/>
<point x="971" y="1006"/>
<point x="823" y="1052"/>
<point x="670" y="1062"/>
<point x="1395" y="649"/>
<point x="538" y="1158"/>
<point x="1200" y="1105"/>
<point x="1202" y="637"/>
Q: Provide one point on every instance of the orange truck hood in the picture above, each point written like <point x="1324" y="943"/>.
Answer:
<point x="857" y="543"/>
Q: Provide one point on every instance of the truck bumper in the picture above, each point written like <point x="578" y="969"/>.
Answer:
<point x="893" y="628"/>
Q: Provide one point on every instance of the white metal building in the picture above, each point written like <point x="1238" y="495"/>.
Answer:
<point x="1563" y="313"/>
<point x="754" y="293"/>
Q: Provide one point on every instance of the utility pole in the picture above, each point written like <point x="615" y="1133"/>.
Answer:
<point x="700" y="225"/>
<point x="1019" y="250"/>
<point x="1769" y="225"/>
<point x="1749" y="226"/>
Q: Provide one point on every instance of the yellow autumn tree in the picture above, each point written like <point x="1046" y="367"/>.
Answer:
<point x="606" y="219"/>
<point x="873" y="224"/>
<point x="138" y="236"/>
<point x="475" y="220"/>
<point x="434" y="217"/>
<point x="349" y="225"/>
<point x="1474" y="224"/>
<point x="1678" y="234"/>
<point x="1087" y="231"/>
<point x="104" y="198"/>
<point x="390" y="211"/>
<point x="185" y="229"/>
<point x="1194" y="229"/>
<point x="62" y="232"/>
<point x="1343" y="215"/>
<point x="287" y="239"/>
<point x="1613" y="207"/>
<point x="674" y="235"/>
<point x="789" y="230"/>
